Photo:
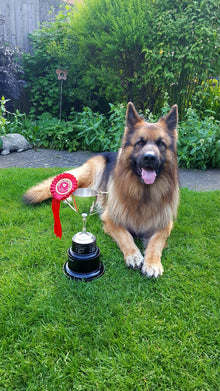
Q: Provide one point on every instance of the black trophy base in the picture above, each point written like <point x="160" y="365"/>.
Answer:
<point x="85" y="267"/>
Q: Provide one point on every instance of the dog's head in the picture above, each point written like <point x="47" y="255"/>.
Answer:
<point x="150" y="146"/>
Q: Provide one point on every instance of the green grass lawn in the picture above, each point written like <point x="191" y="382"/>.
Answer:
<point x="120" y="332"/>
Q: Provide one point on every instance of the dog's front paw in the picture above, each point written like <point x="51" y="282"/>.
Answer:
<point x="152" y="269"/>
<point x="134" y="260"/>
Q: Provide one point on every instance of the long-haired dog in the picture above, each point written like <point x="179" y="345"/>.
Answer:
<point x="142" y="185"/>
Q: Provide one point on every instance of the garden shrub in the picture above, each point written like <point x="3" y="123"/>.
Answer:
<point x="11" y="86"/>
<point x="183" y="52"/>
<point x="116" y="51"/>
<point x="199" y="142"/>
<point x="39" y="69"/>
<point x="207" y="99"/>
<point x="93" y="131"/>
<point x="90" y="130"/>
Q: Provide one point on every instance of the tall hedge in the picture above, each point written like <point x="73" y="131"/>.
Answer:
<point x="120" y="50"/>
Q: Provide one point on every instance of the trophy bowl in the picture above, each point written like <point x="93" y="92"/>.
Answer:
<point x="84" y="255"/>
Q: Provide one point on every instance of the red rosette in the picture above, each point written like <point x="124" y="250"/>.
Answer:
<point x="61" y="187"/>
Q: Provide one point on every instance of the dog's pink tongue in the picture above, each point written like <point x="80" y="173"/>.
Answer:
<point x="148" y="176"/>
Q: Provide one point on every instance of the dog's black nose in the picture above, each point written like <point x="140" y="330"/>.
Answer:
<point x="149" y="158"/>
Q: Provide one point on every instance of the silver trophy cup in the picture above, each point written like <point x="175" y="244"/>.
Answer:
<point x="84" y="256"/>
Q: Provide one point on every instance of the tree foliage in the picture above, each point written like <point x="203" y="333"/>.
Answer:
<point x="119" y="50"/>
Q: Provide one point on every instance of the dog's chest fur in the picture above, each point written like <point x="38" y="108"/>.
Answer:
<point x="138" y="208"/>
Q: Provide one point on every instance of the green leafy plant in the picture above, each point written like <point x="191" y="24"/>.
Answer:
<point x="181" y="55"/>
<point x="54" y="133"/>
<point x="207" y="99"/>
<point x="90" y="130"/>
<point x="116" y="122"/>
<point x="97" y="132"/>
<point x="199" y="141"/>
<point x="40" y="73"/>
<point x="3" y="120"/>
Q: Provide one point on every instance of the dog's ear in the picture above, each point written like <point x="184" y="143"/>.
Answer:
<point x="132" y="116"/>
<point x="171" y="118"/>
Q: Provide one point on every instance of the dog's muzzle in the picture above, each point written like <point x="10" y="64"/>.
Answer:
<point x="148" y="166"/>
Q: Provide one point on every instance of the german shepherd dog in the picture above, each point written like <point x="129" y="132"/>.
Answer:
<point x="142" y="185"/>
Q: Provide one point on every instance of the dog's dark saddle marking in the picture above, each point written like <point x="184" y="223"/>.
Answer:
<point x="110" y="159"/>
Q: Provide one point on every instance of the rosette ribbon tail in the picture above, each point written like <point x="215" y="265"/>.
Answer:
<point x="57" y="223"/>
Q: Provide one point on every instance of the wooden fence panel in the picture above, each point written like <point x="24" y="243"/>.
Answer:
<point x="18" y="18"/>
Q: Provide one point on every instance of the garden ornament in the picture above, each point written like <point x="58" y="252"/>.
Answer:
<point x="62" y="75"/>
<point x="13" y="142"/>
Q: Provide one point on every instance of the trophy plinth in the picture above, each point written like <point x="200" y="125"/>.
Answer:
<point x="83" y="256"/>
<point x="84" y="243"/>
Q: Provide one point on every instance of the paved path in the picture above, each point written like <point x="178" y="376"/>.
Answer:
<point x="192" y="179"/>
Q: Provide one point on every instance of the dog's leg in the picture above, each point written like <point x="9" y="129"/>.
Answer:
<point x="152" y="266"/>
<point x="124" y="239"/>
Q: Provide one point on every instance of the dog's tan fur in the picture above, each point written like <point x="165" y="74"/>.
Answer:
<point x="133" y="206"/>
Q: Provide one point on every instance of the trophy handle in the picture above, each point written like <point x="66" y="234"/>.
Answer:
<point x="95" y="207"/>
<point x="92" y="207"/>
<point x="71" y="206"/>
<point x="76" y="210"/>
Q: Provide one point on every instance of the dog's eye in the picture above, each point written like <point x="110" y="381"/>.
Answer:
<point x="140" y="142"/>
<point x="161" y="143"/>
